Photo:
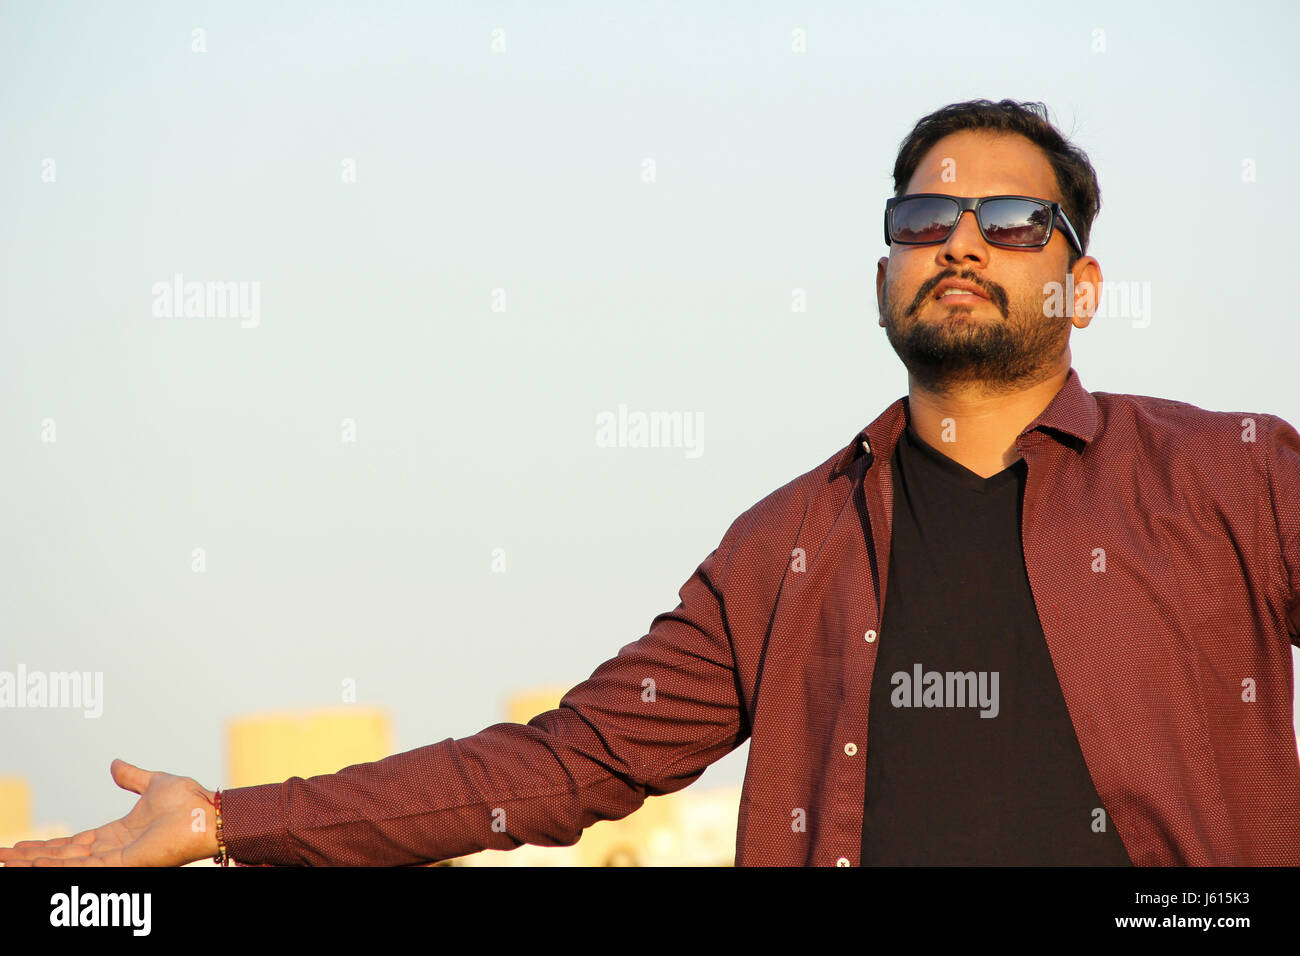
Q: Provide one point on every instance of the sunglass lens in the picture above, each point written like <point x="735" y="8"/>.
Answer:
<point x="925" y="219"/>
<point x="1015" y="222"/>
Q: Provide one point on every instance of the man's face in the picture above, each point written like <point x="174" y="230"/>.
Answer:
<point x="1004" y="339"/>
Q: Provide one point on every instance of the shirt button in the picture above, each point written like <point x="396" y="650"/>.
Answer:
<point x="850" y="748"/>
<point x="842" y="861"/>
<point x="870" y="637"/>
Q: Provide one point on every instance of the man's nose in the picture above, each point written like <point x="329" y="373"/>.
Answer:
<point x="965" y="241"/>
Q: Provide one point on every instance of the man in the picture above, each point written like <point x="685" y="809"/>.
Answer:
<point x="1010" y="622"/>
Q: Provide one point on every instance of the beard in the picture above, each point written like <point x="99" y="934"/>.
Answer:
<point x="951" y="348"/>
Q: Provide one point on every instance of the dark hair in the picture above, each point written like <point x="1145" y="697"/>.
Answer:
<point x="1075" y="177"/>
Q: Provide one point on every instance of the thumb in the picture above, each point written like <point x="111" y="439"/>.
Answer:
<point x="130" y="777"/>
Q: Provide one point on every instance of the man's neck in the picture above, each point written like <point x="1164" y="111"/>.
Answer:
<point x="978" y="429"/>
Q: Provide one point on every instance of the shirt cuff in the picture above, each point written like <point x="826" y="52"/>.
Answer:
<point x="254" y="825"/>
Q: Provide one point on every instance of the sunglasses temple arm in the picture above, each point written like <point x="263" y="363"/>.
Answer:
<point x="1069" y="232"/>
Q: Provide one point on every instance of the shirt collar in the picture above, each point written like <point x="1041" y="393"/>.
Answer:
<point x="1072" y="411"/>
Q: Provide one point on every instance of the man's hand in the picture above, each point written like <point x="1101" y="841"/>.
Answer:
<point x="173" y="823"/>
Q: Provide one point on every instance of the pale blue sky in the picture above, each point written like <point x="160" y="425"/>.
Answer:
<point x="518" y="170"/>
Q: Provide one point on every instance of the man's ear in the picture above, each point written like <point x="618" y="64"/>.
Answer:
<point x="1086" y="273"/>
<point x="881" y="264"/>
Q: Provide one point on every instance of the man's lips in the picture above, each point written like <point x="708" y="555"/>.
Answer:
<point x="958" y="292"/>
<point x="965" y="292"/>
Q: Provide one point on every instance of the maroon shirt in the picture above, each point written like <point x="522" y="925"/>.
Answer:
<point x="1174" y="662"/>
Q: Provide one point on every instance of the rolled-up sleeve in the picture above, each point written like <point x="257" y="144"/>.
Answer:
<point x="646" y="722"/>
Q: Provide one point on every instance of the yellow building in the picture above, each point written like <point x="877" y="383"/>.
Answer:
<point x="16" y="815"/>
<point x="271" y="747"/>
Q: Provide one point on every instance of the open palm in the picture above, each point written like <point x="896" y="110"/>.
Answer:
<point x="162" y="829"/>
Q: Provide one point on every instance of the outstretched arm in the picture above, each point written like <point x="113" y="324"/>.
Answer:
<point x="647" y="722"/>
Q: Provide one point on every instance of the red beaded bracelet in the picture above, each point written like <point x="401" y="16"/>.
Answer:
<point x="222" y="856"/>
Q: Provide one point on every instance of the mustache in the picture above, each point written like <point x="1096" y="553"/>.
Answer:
<point x="997" y="295"/>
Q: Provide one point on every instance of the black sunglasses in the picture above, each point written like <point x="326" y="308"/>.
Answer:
<point x="1021" y="222"/>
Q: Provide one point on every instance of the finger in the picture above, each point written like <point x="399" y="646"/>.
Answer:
<point x="26" y="849"/>
<point x="129" y="777"/>
<point x="26" y="844"/>
<point x="85" y="836"/>
<point x="65" y="852"/>
<point x="76" y="861"/>
<point x="29" y="856"/>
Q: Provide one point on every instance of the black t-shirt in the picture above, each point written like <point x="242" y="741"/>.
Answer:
<point x="960" y="639"/>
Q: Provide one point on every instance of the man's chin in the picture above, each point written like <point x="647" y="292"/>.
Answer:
<point x="945" y="374"/>
<point x="955" y="348"/>
<point x="943" y="363"/>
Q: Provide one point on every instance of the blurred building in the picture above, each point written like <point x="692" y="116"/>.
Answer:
<point x="274" y="746"/>
<point x="271" y="747"/>
<point x="16" y="815"/>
